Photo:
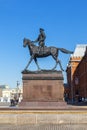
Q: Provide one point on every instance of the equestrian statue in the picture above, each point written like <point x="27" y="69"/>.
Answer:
<point x="43" y="51"/>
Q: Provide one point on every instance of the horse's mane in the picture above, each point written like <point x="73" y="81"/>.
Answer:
<point x="32" y="44"/>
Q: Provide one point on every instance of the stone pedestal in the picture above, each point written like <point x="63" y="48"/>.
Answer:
<point x="42" y="87"/>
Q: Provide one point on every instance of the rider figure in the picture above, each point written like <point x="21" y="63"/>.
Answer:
<point x="41" y="39"/>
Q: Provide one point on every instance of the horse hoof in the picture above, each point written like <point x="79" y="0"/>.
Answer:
<point x="53" y="68"/>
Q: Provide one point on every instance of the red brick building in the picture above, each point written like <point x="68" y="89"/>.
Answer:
<point x="77" y="73"/>
<point x="80" y="77"/>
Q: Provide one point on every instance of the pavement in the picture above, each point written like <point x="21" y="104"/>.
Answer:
<point x="79" y="108"/>
<point x="45" y="127"/>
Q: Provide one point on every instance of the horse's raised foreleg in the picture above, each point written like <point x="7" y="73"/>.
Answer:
<point x="29" y="63"/>
<point x="35" y="59"/>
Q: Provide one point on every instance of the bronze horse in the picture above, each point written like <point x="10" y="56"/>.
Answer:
<point x="44" y="52"/>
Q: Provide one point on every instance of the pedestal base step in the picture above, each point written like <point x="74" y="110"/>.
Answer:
<point x="43" y="105"/>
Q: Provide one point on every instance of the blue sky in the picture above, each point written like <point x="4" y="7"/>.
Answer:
<point x="65" y="24"/>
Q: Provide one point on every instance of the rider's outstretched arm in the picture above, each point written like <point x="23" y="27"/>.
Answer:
<point x="37" y="40"/>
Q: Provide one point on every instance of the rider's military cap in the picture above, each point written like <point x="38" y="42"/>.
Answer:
<point x="41" y="29"/>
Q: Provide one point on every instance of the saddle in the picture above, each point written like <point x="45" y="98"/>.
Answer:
<point x="42" y="50"/>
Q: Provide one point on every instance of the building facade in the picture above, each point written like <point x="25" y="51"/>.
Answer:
<point x="80" y="78"/>
<point x="6" y="93"/>
<point x="75" y="70"/>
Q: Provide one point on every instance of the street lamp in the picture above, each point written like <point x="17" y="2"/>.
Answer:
<point x="71" y="84"/>
<point x="18" y="89"/>
<point x="18" y="84"/>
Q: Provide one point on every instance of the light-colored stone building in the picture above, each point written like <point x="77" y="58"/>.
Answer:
<point x="6" y="93"/>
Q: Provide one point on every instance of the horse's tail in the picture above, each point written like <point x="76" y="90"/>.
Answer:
<point x="65" y="51"/>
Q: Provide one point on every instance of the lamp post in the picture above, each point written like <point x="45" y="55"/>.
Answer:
<point x="71" y="85"/>
<point x="18" y="89"/>
<point x="18" y="84"/>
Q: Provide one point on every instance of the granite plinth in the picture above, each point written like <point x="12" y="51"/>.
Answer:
<point x="42" y="87"/>
<point x="38" y="105"/>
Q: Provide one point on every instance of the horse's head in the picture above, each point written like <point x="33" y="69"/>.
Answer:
<point x="26" y="42"/>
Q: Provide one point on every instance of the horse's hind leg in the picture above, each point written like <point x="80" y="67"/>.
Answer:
<point x="60" y="65"/>
<point x="55" y="66"/>
<point x="55" y="58"/>
<point x="57" y="61"/>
